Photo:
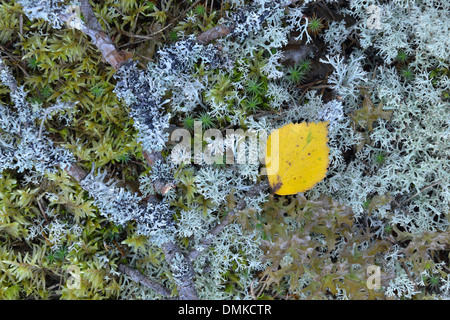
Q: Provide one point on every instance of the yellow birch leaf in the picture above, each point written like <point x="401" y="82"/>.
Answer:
<point x="297" y="157"/>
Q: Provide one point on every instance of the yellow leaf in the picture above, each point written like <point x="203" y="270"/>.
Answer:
<point x="297" y="157"/>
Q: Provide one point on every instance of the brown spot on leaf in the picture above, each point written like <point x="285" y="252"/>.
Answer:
<point x="277" y="186"/>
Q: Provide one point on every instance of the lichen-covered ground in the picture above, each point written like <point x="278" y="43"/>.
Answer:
<point x="100" y="200"/>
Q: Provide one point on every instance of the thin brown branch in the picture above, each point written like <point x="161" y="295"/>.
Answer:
<point x="174" y="20"/>
<point x="137" y="276"/>
<point x="132" y="35"/>
<point x="223" y="30"/>
<point x="408" y="274"/>
<point x="41" y="208"/>
<point x="184" y="280"/>
<point x="421" y="190"/>
<point x="99" y="38"/>
<point x="403" y="265"/>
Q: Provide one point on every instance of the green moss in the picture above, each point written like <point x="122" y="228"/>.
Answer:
<point x="297" y="73"/>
